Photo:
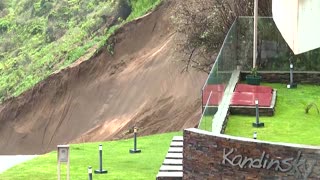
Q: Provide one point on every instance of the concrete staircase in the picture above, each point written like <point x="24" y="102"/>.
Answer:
<point x="171" y="168"/>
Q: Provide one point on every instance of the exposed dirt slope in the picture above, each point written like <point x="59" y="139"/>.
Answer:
<point x="104" y="97"/>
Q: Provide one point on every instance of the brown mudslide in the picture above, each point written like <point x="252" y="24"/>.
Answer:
<point x="102" y="98"/>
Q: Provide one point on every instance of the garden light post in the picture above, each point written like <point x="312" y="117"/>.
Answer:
<point x="257" y="123"/>
<point x="135" y="150"/>
<point x="100" y="170"/>
<point x="90" y="172"/>
<point x="255" y="135"/>
<point x="291" y="73"/>
<point x="292" y="84"/>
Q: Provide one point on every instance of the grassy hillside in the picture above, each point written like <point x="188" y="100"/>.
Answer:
<point x="39" y="37"/>
<point x="117" y="160"/>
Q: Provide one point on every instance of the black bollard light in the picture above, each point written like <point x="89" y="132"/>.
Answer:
<point x="135" y="150"/>
<point x="292" y="84"/>
<point x="100" y="171"/>
<point x="90" y="172"/>
<point x="255" y="135"/>
<point x="257" y="123"/>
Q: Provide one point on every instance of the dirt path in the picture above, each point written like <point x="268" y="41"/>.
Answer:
<point x="103" y="98"/>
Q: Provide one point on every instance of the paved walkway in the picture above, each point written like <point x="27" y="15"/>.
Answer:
<point x="7" y="161"/>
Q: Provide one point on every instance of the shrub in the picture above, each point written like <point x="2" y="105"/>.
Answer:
<point x="309" y="106"/>
<point x="4" y="25"/>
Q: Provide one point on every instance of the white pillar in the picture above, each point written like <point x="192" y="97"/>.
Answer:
<point x="255" y="33"/>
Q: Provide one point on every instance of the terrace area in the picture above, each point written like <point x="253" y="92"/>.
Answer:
<point x="230" y="137"/>
<point x="292" y="115"/>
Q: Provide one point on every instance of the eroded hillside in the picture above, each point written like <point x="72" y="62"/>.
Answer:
<point x="103" y="98"/>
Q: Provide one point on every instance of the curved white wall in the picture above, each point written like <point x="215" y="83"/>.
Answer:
<point x="298" y="22"/>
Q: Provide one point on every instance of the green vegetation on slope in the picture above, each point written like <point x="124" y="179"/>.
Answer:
<point x="290" y="123"/>
<point x="39" y="37"/>
<point x="116" y="159"/>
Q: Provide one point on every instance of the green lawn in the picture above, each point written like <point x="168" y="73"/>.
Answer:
<point x="290" y="123"/>
<point x="206" y="120"/>
<point x="117" y="160"/>
<point x="206" y="123"/>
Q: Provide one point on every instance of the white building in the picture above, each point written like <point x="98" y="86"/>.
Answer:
<point x="299" y="23"/>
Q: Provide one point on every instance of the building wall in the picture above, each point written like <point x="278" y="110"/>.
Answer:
<point x="284" y="14"/>
<point x="297" y="20"/>
<point x="208" y="156"/>
<point x="308" y="25"/>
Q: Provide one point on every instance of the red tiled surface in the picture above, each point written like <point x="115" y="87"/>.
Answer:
<point x="252" y="88"/>
<point x="245" y="95"/>
<point x="216" y="96"/>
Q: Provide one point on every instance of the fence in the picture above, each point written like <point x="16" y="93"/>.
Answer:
<point x="218" y="78"/>
<point x="273" y="54"/>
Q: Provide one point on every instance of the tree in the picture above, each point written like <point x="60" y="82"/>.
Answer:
<point x="203" y="24"/>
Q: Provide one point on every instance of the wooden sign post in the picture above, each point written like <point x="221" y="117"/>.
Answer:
<point x="63" y="157"/>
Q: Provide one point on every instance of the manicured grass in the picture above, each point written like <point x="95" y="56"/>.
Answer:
<point x="206" y="123"/>
<point x="207" y="118"/>
<point x="117" y="160"/>
<point x="290" y="123"/>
